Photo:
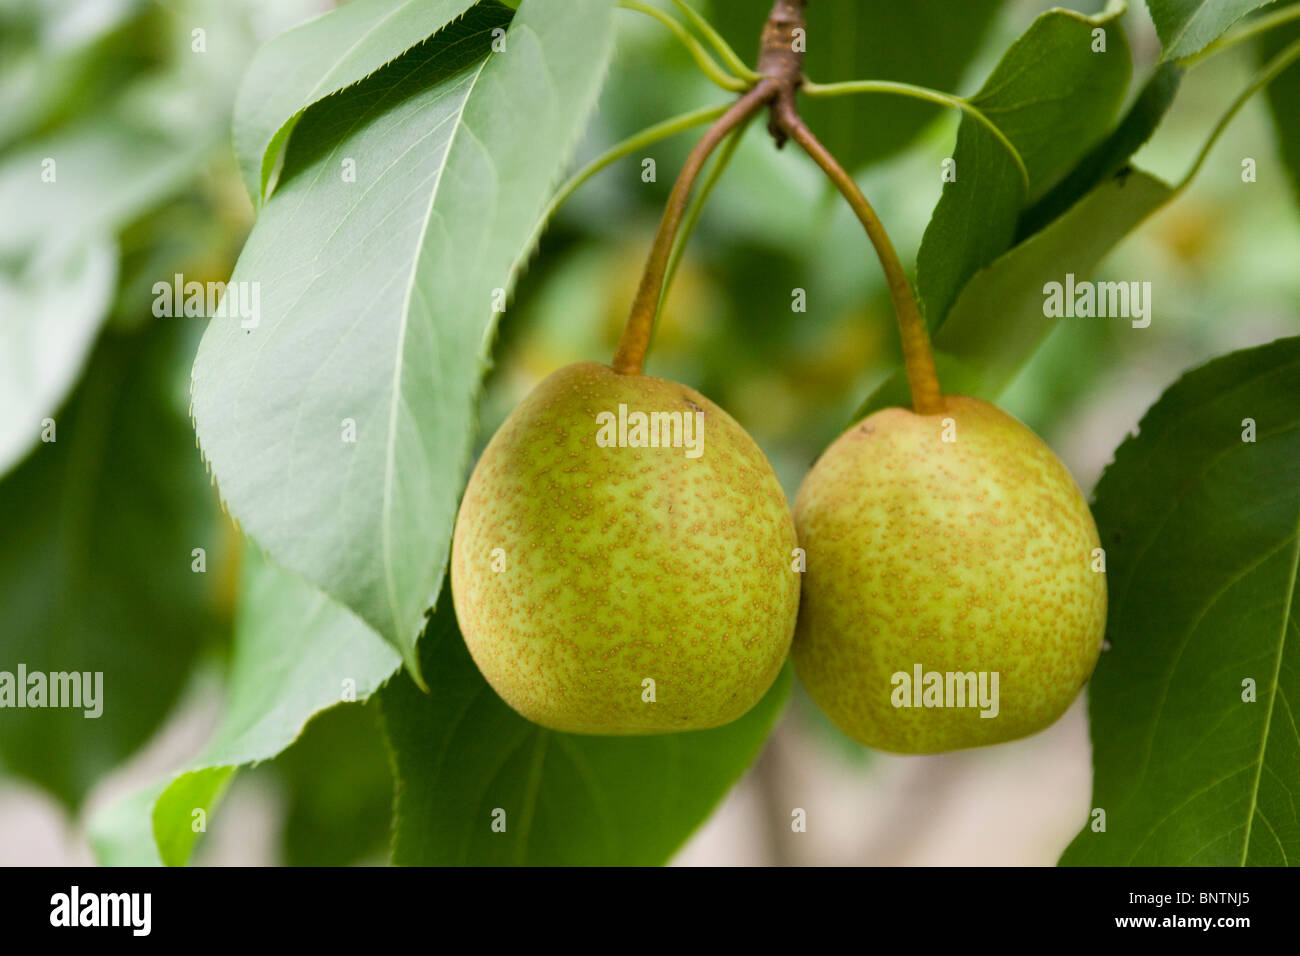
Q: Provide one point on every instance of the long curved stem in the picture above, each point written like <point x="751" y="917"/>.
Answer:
<point x="1267" y="74"/>
<point x="720" y="46"/>
<point x="635" y="340"/>
<point x="926" y="94"/>
<point x="917" y="357"/>
<point x="706" y="63"/>
<point x="696" y="207"/>
<point x="651" y="134"/>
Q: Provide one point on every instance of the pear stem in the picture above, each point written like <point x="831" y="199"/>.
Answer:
<point x="780" y="66"/>
<point x="917" y="357"/>
<point x="780" y="71"/>
<point x="635" y="341"/>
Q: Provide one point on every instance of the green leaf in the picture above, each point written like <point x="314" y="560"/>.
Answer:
<point x="50" y="315"/>
<point x="925" y="42"/>
<point x="95" y="562"/>
<point x="1111" y="154"/>
<point x="1202" y="536"/>
<point x="974" y="220"/>
<point x="460" y="755"/>
<point x="997" y="323"/>
<point x="296" y="654"/>
<point x="1283" y="95"/>
<point x="1054" y="98"/>
<point x="377" y="302"/>
<point x="176" y="811"/>
<point x="304" y="65"/>
<point x="1188" y="26"/>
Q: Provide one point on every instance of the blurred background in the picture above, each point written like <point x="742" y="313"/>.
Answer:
<point x="117" y="90"/>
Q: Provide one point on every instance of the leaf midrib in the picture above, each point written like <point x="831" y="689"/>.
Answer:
<point x="390" y="450"/>
<point x="1288" y="610"/>
<point x="314" y="95"/>
<point x="1195" y="623"/>
<point x="532" y="787"/>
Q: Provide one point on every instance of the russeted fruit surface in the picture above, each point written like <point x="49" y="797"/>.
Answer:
<point x="605" y="587"/>
<point x="933" y="565"/>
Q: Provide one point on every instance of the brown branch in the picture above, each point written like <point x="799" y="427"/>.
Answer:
<point x="780" y="57"/>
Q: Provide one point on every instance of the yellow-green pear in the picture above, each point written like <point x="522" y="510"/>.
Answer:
<point x="622" y="562"/>
<point x="953" y="595"/>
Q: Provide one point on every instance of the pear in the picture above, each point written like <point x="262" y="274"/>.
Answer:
<point x="607" y="588"/>
<point x="944" y="549"/>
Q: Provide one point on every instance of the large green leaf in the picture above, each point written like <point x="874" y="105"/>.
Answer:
<point x="96" y="561"/>
<point x="462" y="758"/>
<point x="1202" y="536"/>
<point x="377" y="302"/>
<point x="1111" y="154"/>
<point x="304" y="65"/>
<point x="926" y="42"/>
<point x="1188" y="26"/>
<point x="997" y="323"/>
<point x="1053" y="97"/>
<point x="296" y="653"/>
<point x="50" y="314"/>
<point x="1283" y="95"/>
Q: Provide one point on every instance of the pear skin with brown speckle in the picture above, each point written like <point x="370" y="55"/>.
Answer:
<point x="616" y="579"/>
<point x="943" y="550"/>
